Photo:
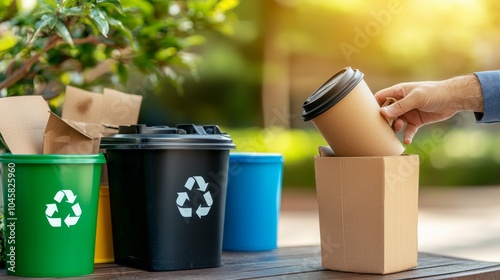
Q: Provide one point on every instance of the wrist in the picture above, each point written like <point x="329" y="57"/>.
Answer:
<point x="467" y="93"/>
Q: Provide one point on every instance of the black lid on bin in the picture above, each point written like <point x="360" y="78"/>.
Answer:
<point x="182" y="136"/>
<point x="331" y="92"/>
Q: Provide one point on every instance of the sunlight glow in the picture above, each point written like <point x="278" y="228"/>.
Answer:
<point x="27" y="5"/>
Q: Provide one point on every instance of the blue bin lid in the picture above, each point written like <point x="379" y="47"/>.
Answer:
<point x="249" y="157"/>
<point x="182" y="136"/>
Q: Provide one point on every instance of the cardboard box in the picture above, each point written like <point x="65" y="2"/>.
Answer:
<point x="100" y="114"/>
<point x="28" y="127"/>
<point x="368" y="211"/>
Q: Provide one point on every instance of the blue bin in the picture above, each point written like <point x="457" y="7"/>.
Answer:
<point x="253" y="202"/>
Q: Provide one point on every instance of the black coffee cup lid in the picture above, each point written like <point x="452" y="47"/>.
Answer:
<point x="331" y="92"/>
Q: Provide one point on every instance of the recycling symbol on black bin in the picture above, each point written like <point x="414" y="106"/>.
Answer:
<point x="183" y="197"/>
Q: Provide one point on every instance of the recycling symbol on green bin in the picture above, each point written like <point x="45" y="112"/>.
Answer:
<point x="72" y="218"/>
<point x="183" y="197"/>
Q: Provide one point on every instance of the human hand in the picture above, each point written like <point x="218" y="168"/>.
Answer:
<point x="421" y="103"/>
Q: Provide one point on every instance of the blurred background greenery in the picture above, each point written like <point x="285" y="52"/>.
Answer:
<point x="254" y="82"/>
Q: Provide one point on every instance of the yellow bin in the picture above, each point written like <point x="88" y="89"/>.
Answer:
<point x="104" y="238"/>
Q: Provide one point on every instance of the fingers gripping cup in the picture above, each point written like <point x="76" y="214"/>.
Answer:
<point x="348" y="116"/>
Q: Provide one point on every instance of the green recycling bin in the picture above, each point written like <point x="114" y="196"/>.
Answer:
<point x="50" y="213"/>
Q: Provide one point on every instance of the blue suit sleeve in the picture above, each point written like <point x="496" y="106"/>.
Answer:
<point x="490" y="85"/>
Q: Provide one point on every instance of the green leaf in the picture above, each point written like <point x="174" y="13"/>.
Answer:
<point x="52" y="21"/>
<point x="51" y="3"/>
<point x="63" y="32"/>
<point x="70" y="3"/>
<point x="120" y="27"/>
<point x="145" y="8"/>
<point x="113" y="4"/>
<point x="164" y="54"/>
<point x="72" y="11"/>
<point x="100" y="21"/>
<point x="46" y="20"/>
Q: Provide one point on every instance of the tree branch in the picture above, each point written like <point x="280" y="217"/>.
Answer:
<point x="25" y="68"/>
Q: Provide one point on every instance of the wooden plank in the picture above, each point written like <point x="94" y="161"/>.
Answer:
<point x="305" y="262"/>
<point x="302" y="263"/>
<point x="243" y="265"/>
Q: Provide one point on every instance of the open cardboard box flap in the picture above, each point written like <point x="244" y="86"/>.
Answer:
<point x="61" y="137"/>
<point x="22" y="123"/>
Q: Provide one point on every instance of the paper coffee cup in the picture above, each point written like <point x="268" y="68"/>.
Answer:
<point x="348" y="116"/>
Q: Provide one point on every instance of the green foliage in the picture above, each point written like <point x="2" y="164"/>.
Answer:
<point x="448" y="157"/>
<point x="298" y="148"/>
<point x="457" y="156"/>
<point x="97" y="42"/>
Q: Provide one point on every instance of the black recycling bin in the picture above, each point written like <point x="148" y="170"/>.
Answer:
<point x="167" y="189"/>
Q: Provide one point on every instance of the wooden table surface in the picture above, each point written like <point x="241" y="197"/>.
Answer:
<point x="300" y="263"/>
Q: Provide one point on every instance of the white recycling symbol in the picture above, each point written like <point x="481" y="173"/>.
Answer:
<point x="182" y="197"/>
<point x="52" y="208"/>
